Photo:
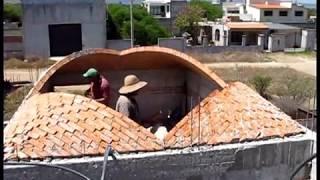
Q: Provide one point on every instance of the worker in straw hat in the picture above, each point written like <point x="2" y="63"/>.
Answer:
<point x="99" y="86"/>
<point x="126" y="103"/>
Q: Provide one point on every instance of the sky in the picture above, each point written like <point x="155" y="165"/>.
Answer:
<point x="307" y="1"/>
<point x="126" y="1"/>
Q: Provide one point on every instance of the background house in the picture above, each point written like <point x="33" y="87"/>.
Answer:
<point x="61" y="27"/>
<point x="166" y="11"/>
<point x="238" y="33"/>
<point x="280" y="12"/>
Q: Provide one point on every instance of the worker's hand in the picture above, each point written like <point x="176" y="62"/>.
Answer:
<point x="87" y="93"/>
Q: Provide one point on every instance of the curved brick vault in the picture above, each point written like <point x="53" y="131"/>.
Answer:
<point x="134" y="58"/>
<point x="65" y="125"/>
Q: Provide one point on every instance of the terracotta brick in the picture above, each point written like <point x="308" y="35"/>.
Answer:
<point x="66" y="127"/>
<point x="86" y="126"/>
<point x="116" y="125"/>
<point x="130" y="134"/>
<point x="120" y="135"/>
<point x="104" y="112"/>
<point x="103" y="136"/>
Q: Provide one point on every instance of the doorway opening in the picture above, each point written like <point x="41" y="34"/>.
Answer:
<point x="65" y="39"/>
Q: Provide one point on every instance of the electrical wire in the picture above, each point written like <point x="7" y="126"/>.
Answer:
<point x="302" y="164"/>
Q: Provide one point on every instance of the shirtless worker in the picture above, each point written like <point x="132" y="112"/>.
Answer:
<point x="99" y="86"/>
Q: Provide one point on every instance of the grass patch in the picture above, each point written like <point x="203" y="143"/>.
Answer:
<point x="13" y="100"/>
<point x="245" y="74"/>
<point x="229" y="56"/>
<point x="304" y="53"/>
<point x="289" y="89"/>
<point x="20" y="64"/>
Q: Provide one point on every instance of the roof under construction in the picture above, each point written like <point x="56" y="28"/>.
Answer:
<point x="56" y="124"/>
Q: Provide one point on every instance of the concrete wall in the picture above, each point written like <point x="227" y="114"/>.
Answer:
<point x="13" y="49"/>
<point x="37" y="15"/>
<point x="12" y="41"/>
<point x="197" y="87"/>
<point x="119" y="45"/>
<point x="276" y="42"/>
<point x="274" y="160"/>
<point x="256" y="13"/>
<point x="174" y="43"/>
<point x="293" y="39"/>
<point x="167" y="88"/>
<point x="218" y="49"/>
<point x="176" y="7"/>
<point x="309" y="39"/>
<point x="167" y="23"/>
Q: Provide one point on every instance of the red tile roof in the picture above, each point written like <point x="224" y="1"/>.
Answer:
<point x="269" y="6"/>
<point x="246" y="25"/>
<point x="66" y="125"/>
<point x="235" y="114"/>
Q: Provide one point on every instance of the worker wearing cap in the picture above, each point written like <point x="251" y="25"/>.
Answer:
<point x="126" y="103"/>
<point x="99" y="86"/>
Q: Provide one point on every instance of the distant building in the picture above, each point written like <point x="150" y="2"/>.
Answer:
<point x="12" y="41"/>
<point x="61" y="27"/>
<point x="166" y="11"/>
<point x="276" y="11"/>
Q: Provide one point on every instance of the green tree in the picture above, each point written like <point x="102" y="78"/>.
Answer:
<point x="147" y="30"/>
<point x="12" y="12"/>
<point x="312" y="12"/>
<point x="188" y="20"/>
<point x="211" y="12"/>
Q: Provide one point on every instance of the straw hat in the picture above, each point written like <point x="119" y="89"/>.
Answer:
<point x="131" y="84"/>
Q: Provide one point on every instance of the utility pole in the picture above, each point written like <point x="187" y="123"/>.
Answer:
<point x="131" y="22"/>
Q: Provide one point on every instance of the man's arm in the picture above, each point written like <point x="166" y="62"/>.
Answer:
<point x="105" y="95"/>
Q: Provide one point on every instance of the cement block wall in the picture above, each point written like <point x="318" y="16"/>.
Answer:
<point x="254" y="161"/>
<point x="13" y="49"/>
<point x="219" y="49"/>
<point x="119" y="45"/>
<point x="173" y="43"/>
<point x="285" y="19"/>
<point x="293" y="39"/>
<point x="37" y="15"/>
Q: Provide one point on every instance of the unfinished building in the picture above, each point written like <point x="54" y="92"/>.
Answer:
<point x="222" y="131"/>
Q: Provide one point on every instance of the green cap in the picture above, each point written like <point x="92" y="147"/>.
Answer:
<point x="92" y="72"/>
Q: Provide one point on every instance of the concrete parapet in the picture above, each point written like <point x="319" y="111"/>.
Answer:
<point x="271" y="159"/>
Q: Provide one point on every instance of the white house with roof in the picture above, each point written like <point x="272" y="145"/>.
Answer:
<point x="276" y="11"/>
<point x="158" y="8"/>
